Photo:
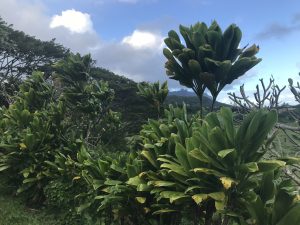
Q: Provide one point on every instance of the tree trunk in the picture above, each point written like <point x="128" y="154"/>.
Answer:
<point x="213" y="103"/>
<point x="210" y="208"/>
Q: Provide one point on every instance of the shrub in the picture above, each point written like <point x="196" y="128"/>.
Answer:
<point x="50" y="118"/>
<point x="30" y="134"/>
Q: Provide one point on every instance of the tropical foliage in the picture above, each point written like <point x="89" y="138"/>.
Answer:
<point x="209" y="59"/>
<point x="41" y="123"/>
<point x="62" y="145"/>
<point x="20" y="55"/>
<point x="154" y="94"/>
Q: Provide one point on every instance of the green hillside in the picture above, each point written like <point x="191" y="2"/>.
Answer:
<point x="134" y="109"/>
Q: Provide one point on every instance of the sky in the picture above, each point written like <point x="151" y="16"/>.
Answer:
<point x="126" y="36"/>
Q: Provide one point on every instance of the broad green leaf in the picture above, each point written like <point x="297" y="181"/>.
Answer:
<point x="220" y="205"/>
<point x="198" y="154"/>
<point x="292" y="216"/>
<point x="225" y="152"/>
<point x="173" y="195"/>
<point x="270" y="165"/>
<point x="218" y="196"/>
<point x="163" y="211"/>
<point x="267" y="187"/>
<point x="175" y="168"/>
<point x="267" y="122"/>
<point x="103" y="166"/>
<point x="2" y="168"/>
<point x="83" y="207"/>
<point x="112" y="182"/>
<point x="161" y="183"/>
<point x="255" y="123"/>
<point x="182" y="130"/>
<point x="181" y="155"/>
<point x="249" y="167"/>
<point x="205" y="158"/>
<point x="227" y="121"/>
<point x="131" y="170"/>
<point x="196" y="187"/>
<point x="179" y="178"/>
<point x="117" y="168"/>
<point x="283" y="202"/>
<point x="97" y="184"/>
<point x="135" y="181"/>
<point x="212" y="120"/>
<point x="290" y="160"/>
<point x="257" y="211"/>
<point x="150" y="157"/>
<point x="217" y="140"/>
<point x="241" y="133"/>
<point x="30" y="180"/>
<point x="143" y="187"/>
<point x="209" y="172"/>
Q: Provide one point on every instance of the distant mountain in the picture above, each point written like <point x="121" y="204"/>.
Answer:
<point x="186" y="93"/>
<point x="182" y="92"/>
<point x="191" y="100"/>
<point x="135" y="110"/>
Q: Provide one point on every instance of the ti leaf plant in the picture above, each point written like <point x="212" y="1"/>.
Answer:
<point x="272" y="204"/>
<point x="154" y="93"/>
<point x="209" y="59"/>
<point x="209" y="169"/>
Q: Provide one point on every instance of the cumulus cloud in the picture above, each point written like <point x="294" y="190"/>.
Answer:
<point x="75" y="21"/>
<point x="32" y="18"/>
<point x="137" y="56"/>
<point x="277" y="30"/>
<point x="29" y="18"/>
<point x="139" y="64"/>
<point x="143" y="39"/>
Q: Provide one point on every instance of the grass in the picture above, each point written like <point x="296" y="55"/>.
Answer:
<point x="14" y="212"/>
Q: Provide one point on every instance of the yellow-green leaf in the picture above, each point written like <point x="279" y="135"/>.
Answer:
<point x="76" y="178"/>
<point x="227" y="182"/>
<point x="23" y="146"/>
<point x="141" y="200"/>
<point x="198" y="198"/>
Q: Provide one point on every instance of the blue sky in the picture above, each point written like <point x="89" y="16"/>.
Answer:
<point x="126" y="36"/>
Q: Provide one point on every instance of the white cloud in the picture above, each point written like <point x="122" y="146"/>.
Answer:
<point x="137" y="56"/>
<point x="32" y="18"/>
<point x="143" y="39"/>
<point x="139" y="64"/>
<point x="73" y="20"/>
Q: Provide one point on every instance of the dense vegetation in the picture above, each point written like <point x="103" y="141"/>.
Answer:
<point x="125" y="95"/>
<point x="20" y="55"/>
<point x="96" y="148"/>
